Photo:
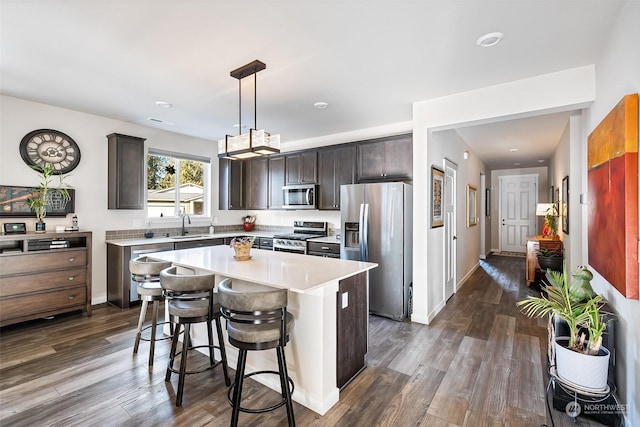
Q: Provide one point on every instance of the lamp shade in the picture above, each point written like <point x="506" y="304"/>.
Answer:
<point x="542" y="209"/>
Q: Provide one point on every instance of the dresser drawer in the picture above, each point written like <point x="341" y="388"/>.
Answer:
<point x="34" y="263"/>
<point x="42" y="302"/>
<point x="42" y="281"/>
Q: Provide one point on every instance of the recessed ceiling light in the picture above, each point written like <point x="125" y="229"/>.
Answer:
<point x="540" y="160"/>
<point x="164" y="104"/>
<point x="516" y="164"/>
<point x="513" y="149"/>
<point x="153" y="119"/>
<point x="321" y="105"/>
<point x="490" y="39"/>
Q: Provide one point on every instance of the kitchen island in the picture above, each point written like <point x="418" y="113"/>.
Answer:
<point x="329" y="300"/>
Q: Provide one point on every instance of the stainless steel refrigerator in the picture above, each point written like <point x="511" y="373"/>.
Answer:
<point x="376" y="221"/>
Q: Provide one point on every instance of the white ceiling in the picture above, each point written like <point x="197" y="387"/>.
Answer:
<point x="369" y="59"/>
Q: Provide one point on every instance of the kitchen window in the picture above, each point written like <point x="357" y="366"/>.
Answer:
<point x="177" y="184"/>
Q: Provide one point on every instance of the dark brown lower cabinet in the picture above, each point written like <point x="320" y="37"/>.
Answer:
<point x="352" y="324"/>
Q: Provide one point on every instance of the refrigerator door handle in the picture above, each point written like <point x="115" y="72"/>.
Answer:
<point x="361" y="232"/>
<point x="365" y="226"/>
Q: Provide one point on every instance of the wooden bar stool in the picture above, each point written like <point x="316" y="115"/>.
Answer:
<point x="146" y="273"/>
<point x="257" y="321"/>
<point x="191" y="299"/>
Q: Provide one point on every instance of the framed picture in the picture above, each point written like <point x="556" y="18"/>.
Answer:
<point x="472" y="206"/>
<point x="556" y="200"/>
<point x="487" y="202"/>
<point x="551" y="195"/>
<point x="13" y="202"/>
<point x="565" y="204"/>
<point x="437" y="195"/>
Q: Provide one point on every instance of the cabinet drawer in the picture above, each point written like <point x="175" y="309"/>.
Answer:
<point x="46" y="301"/>
<point x="33" y="263"/>
<point x="329" y="248"/>
<point x="42" y="282"/>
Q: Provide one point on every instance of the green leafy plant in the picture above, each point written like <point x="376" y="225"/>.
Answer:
<point x="40" y="198"/>
<point x="548" y="252"/>
<point x="551" y="218"/>
<point x="566" y="302"/>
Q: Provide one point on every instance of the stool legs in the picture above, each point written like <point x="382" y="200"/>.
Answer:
<point x="154" y="326"/>
<point x="223" y="352"/>
<point x="143" y="312"/>
<point x="186" y="344"/>
<point x="284" y="383"/>
<point x="237" y="391"/>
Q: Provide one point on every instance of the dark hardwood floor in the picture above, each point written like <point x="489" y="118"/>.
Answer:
<point x="479" y="363"/>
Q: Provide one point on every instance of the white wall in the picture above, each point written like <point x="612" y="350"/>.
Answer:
<point x="618" y="74"/>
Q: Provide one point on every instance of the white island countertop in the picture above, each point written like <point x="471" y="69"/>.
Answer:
<point x="298" y="273"/>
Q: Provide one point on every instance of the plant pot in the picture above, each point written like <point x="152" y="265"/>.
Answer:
<point x="550" y="262"/>
<point x="248" y="226"/>
<point x="582" y="370"/>
<point x="41" y="227"/>
<point x="243" y="252"/>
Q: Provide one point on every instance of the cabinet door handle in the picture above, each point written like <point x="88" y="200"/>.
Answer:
<point x="71" y="277"/>
<point x="71" y="297"/>
<point x="325" y="248"/>
<point x="71" y="259"/>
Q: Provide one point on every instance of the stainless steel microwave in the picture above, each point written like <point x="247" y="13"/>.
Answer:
<point x="301" y="196"/>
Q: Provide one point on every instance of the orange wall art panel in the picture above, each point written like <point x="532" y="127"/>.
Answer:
<point x="613" y="197"/>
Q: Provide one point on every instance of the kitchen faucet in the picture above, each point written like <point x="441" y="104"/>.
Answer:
<point x="184" y="231"/>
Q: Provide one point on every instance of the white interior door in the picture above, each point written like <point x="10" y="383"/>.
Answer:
<point x="449" y="229"/>
<point x="518" y="198"/>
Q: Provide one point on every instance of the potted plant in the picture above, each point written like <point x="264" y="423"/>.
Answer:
<point x="580" y="358"/>
<point x="242" y="247"/>
<point x="42" y="196"/>
<point x="549" y="259"/>
<point x="248" y="221"/>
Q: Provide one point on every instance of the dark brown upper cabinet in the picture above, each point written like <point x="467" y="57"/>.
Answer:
<point x="256" y="189"/>
<point x="302" y="167"/>
<point x="230" y="191"/>
<point x="385" y="159"/>
<point x="276" y="181"/>
<point x="336" y="167"/>
<point x="126" y="162"/>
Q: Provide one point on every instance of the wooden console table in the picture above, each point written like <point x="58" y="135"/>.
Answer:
<point x="533" y="244"/>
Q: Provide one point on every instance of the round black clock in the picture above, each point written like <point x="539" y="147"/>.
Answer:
<point x="50" y="146"/>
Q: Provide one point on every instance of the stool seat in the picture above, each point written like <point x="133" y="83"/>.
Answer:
<point x="262" y="333"/>
<point x="150" y="289"/>
<point x="145" y="266"/>
<point x="198" y="308"/>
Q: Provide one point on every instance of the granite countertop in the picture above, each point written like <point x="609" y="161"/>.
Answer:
<point x="271" y="268"/>
<point x="187" y="238"/>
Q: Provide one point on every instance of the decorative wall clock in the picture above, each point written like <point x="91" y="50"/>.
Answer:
<point x="50" y="146"/>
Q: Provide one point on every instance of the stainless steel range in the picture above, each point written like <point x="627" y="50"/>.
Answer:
<point x="296" y="242"/>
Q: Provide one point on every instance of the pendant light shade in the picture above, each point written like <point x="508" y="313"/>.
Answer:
<point x="255" y="142"/>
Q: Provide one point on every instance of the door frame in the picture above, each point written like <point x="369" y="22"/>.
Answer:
<point x="448" y="164"/>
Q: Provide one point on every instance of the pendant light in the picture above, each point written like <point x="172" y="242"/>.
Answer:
<point x="255" y="142"/>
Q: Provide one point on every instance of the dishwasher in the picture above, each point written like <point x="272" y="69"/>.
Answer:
<point x="137" y="251"/>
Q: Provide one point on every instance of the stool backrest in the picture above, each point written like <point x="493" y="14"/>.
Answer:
<point x="254" y="307"/>
<point x="170" y="280"/>
<point x="147" y="267"/>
